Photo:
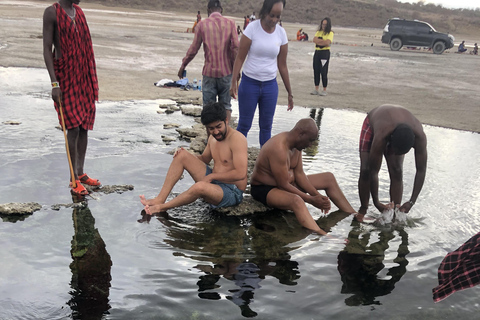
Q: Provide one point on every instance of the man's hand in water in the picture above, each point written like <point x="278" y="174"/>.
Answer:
<point x="406" y="207"/>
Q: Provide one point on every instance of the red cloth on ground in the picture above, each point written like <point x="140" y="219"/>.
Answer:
<point x="459" y="269"/>
<point x="366" y="136"/>
<point x="76" y="70"/>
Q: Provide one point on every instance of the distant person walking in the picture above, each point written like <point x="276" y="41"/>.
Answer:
<point x="73" y="74"/>
<point x="323" y="39"/>
<point x="220" y="45"/>
<point x="263" y="48"/>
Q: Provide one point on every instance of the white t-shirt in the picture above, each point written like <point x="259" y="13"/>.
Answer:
<point x="261" y="62"/>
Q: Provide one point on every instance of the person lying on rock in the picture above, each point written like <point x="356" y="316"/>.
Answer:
<point x="220" y="186"/>
<point x="278" y="179"/>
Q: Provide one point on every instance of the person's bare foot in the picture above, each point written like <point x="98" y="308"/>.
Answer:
<point x="146" y="201"/>
<point x="151" y="209"/>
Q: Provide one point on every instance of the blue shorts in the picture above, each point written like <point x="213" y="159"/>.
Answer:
<point x="232" y="196"/>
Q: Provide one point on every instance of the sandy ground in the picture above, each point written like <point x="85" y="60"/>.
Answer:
<point x="135" y="48"/>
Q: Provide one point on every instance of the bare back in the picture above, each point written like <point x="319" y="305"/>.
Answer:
<point x="275" y="161"/>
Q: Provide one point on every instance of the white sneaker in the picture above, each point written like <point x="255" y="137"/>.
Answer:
<point x="322" y="93"/>
<point x="314" y="93"/>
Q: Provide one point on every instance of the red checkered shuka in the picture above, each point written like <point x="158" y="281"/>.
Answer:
<point x="76" y="70"/>
<point x="459" y="269"/>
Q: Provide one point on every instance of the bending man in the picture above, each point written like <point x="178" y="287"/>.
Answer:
<point x="390" y="131"/>
<point x="222" y="186"/>
<point x="72" y="71"/>
<point x="278" y="179"/>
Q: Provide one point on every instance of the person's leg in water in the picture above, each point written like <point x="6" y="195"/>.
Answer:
<point x="182" y="160"/>
<point x="327" y="181"/>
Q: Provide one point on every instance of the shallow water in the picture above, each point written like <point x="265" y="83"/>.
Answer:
<point x="194" y="264"/>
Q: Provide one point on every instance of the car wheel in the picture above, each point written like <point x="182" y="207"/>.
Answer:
<point x="396" y="44"/>
<point x="438" y="47"/>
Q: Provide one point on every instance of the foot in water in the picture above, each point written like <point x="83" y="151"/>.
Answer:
<point x="146" y="201"/>
<point x="151" y="209"/>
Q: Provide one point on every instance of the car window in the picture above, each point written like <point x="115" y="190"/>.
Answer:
<point x="422" y="27"/>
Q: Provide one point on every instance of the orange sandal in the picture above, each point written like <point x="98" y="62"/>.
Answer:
<point x="84" y="178"/>
<point x="79" y="190"/>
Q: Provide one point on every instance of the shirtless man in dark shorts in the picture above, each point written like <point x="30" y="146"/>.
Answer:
<point x="390" y="131"/>
<point x="278" y="179"/>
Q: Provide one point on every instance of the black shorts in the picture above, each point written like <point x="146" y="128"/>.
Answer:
<point x="260" y="192"/>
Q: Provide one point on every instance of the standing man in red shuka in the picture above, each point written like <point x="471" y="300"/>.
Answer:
<point x="72" y="70"/>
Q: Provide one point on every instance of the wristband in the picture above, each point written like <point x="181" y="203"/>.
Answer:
<point x="55" y="85"/>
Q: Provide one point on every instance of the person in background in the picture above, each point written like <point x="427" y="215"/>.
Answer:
<point x="461" y="47"/>
<point x="475" y="49"/>
<point x="199" y="16"/>
<point x="263" y="49"/>
<point x="323" y="39"/>
<point x="252" y="17"/>
<point x="220" y="45"/>
<point x="390" y="131"/>
<point x="73" y="74"/>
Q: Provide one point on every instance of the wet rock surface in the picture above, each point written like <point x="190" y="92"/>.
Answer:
<point x="19" y="208"/>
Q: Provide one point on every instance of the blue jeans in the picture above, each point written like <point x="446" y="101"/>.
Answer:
<point x="213" y="87"/>
<point x="250" y="93"/>
<point x="232" y="196"/>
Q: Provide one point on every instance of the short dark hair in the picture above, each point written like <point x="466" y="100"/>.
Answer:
<point x="214" y="4"/>
<point x="214" y="111"/>
<point x="402" y="139"/>
<point x="267" y="7"/>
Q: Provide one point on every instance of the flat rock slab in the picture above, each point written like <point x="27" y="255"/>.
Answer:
<point x="19" y="208"/>
<point x="118" y="188"/>
<point x="246" y="207"/>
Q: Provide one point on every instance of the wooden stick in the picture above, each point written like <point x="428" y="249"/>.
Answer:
<point x="74" y="182"/>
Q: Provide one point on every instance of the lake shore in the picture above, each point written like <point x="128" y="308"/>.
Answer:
<point x="135" y="48"/>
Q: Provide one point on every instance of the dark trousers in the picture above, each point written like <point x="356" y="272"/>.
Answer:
<point x="318" y="69"/>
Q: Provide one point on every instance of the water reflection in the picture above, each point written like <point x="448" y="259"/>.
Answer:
<point x="90" y="268"/>
<point x="360" y="263"/>
<point x="243" y="250"/>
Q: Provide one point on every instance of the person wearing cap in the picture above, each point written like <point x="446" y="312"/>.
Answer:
<point x="390" y="131"/>
<point x="220" y="45"/>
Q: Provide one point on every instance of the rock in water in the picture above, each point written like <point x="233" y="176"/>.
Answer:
<point x="19" y="208"/>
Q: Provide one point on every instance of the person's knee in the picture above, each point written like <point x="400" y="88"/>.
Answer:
<point x="199" y="188"/>
<point x="396" y="173"/>
<point x="297" y="203"/>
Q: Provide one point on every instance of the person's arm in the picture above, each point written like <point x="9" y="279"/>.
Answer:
<point x="315" y="198"/>
<point x="192" y="50"/>
<point x="233" y="45"/>
<point x="243" y="49"/>
<point x="374" y="164"/>
<point x="206" y="156"/>
<point x="239" y="147"/>
<point x="283" y="69"/>
<point x="49" y="23"/>
<point x="421" y="166"/>
<point x="322" y="42"/>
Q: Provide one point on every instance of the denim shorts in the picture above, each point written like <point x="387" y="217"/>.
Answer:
<point x="231" y="194"/>
<point x="213" y="87"/>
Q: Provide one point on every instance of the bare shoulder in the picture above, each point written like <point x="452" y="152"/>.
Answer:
<point x="50" y="14"/>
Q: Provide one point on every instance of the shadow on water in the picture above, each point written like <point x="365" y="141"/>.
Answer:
<point x="360" y="263"/>
<point x="91" y="267"/>
<point x="242" y="250"/>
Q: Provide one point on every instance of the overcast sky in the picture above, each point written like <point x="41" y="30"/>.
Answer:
<point x="468" y="4"/>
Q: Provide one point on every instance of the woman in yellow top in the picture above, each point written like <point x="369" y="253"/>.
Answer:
<point x="323" y="39"/>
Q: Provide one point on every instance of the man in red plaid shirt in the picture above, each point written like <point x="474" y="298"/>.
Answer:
<point x="72" y="71"/>
<point x="220" y="45"/>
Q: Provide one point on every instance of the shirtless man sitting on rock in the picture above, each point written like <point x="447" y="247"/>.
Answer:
<point x="222" y="186"/>
<point x="278" y="179"/>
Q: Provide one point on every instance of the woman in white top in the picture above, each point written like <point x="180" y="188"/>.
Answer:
<point x="263" y="49"/>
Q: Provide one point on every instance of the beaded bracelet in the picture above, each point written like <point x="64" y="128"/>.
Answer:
<point x="55" y="85"/>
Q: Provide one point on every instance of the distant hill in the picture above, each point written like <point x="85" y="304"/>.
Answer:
<point x="345" y="13"/>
